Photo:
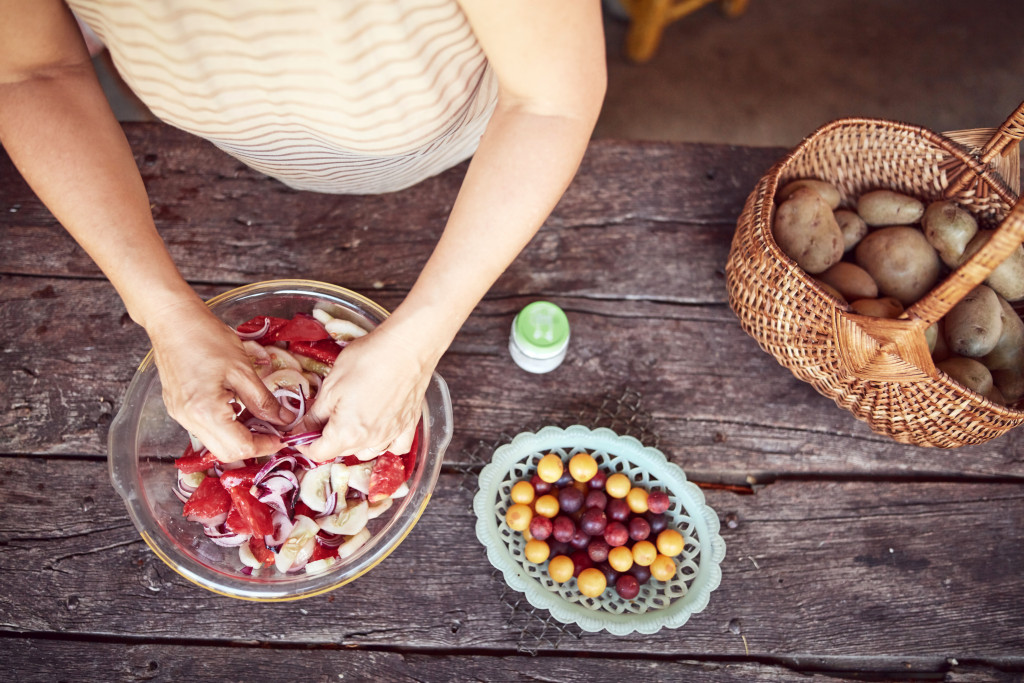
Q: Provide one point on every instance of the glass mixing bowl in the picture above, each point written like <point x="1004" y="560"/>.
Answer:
<point x="144" y="442"/>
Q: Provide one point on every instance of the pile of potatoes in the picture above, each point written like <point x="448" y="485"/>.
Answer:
<point x="888" y="251"/>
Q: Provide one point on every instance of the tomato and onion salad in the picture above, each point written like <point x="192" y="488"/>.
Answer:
<point x="286" y="513"/>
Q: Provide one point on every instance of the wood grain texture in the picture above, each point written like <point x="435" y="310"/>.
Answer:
<point x="718" y="405"/>
<point x="853" y="555"/>
<point x="825" y="569"/>
<point x="44" y="661"/>
<point x="663" y="237"/>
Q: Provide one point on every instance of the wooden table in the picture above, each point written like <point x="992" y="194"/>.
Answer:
<point x="848" y="554"/>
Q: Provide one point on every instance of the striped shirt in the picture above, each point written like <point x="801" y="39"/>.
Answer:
<point x="347" y="96"/>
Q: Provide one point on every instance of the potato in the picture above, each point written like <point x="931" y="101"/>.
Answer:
<point x="852" y="226"/>
<point x="995" y="395"/>
<point x="1009" y="350"/>
<point x="968" y="372"/>
<point x="831" y="290"/>
<point x="885" y="207"/>
<point x="852" y="281"/>
<point x="901" y="261"/>
<point x="886" y="307"/>
<point x="825" y="190"/>
<point x="941" y="350"/>
<point x="806" y="230"/>
<point x="931" y="335"/>
<point x="974" y="324"/>
<point x="1010" y="383"/>
<point x="1008" y="277"/>
<point x="949" y="229"/>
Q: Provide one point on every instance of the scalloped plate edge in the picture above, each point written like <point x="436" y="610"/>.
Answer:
<point x="525" y="443"/>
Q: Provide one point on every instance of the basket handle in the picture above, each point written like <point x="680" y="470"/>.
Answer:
<point x="930" y="308"/>
<point x="1002" y="142"/>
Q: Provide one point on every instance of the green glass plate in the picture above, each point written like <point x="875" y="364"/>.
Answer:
<point x="660" y="604"/>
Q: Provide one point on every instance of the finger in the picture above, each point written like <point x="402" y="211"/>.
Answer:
<point x="403" y="442"/>
<point x="234" y="442"/>
<point x="341" y="438"/>
<point x="313" y="421"/>
<point x="255" y="396"/>
<point x="213" y="421"/>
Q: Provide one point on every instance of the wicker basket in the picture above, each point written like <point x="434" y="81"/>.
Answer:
<point x="879" y="369"/>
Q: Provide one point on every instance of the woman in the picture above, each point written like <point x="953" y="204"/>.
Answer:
<point x="329" y="96"/>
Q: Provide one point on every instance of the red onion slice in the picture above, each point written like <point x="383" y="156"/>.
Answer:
<point x="278" y="491"/>
<point x="257" y="334"/>
<point x="281" y="463"/>
<point x="224" y="538"/>
<point x="282" y="395"/>
<point x="282" y="527"/>
<point x="304" y="462"/>
<point x="303" y="439"/>
<point x="330" y="505"/>
<point x="261" y="427"/>
<point x="329" y="540"/>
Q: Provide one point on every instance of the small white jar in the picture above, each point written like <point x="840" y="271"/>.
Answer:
<point x="539" y="337"/>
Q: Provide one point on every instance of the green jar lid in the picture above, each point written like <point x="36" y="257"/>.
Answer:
<point x="542" y="328"/>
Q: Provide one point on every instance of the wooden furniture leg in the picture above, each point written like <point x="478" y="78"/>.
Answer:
<point x="648" y="19"/>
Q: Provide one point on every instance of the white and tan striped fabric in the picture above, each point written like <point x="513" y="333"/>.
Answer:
<point x="343" y="96"/>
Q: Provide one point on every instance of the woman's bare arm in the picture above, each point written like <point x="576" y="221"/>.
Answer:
<point x="549" y="60"/>
<point x="57" y="127"/>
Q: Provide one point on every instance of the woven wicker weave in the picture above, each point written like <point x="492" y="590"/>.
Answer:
<point x="879" y="369"/>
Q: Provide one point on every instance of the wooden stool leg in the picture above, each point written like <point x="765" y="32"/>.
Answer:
<point x="648" y="19"/>
<point x="734" y="8"/>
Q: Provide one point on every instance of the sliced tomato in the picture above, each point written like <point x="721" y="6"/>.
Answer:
<point x="257" y="323"/>
<point x="258" y="515"/>
<point x="237" y="523"/>
<point x="387" y="475"/>
<point x="191" y="462"/>
<point x="260" y="551"/>
<point x="324" y="350"/>
<point x="322" y="551"/>
<point x="241" y="476"/>
<point x="209" y="503"/>
<point x="302" y="328"/>
<point x="303" y="509"/>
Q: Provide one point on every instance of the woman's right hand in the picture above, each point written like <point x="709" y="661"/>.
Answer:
<point x="204" y="372"/>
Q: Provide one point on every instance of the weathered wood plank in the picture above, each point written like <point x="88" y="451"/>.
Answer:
<point x="813" y="569"/>
<point x="641" y="220"/>
<point x="721" y="407"/>
<point x="48" y="660"/>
